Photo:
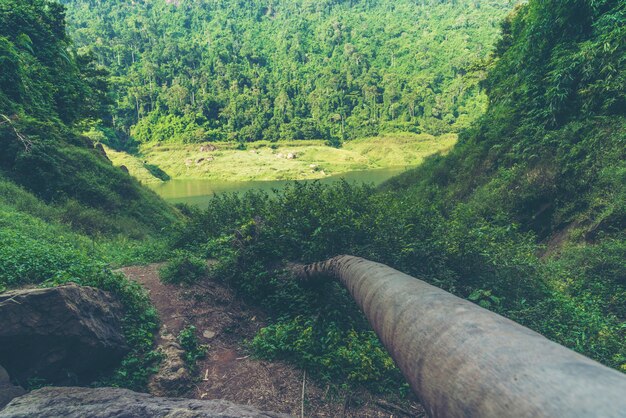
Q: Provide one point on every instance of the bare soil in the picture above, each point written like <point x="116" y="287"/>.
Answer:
<point x="229" y="371"/>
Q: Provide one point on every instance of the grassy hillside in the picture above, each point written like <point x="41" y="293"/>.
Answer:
<point x="47" y="92"/>
<point x="264" y="160"/>
<point x="92" y="195"/>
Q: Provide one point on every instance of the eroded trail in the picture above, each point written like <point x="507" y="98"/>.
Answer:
<point x="224" y="322"/>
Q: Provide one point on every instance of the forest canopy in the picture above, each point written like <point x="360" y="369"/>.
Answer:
<point x="192" y="71"/>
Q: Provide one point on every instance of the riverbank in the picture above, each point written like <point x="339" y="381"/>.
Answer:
<point x="266" y="161"/>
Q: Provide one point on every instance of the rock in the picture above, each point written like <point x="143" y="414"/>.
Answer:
<point x="71" y="402"/>
<point x="124" y="169"/>
<point x="63" y="334"/>
<point x="100" y="150"/>
<point x="188" y="162"/>
<point x="199" y="161"/>
<point x="292" y="156"/>
<point x="8" y="391"/>
<point x="208" y="148"/>
<point x="208" y="334"/>
<point x="173" y="378"/>
<point x="87" y="143"/>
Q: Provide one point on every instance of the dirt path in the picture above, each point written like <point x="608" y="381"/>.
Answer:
<point x="229" y="372"/>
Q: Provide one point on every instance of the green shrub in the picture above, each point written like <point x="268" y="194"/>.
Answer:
<point x="330" y="352"/>
<point x="184" y="268"/>
<point x="189" y="342"/>
<point x="471" y="250"/>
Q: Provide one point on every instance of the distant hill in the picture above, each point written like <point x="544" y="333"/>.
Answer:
<point x="190" y="71"/>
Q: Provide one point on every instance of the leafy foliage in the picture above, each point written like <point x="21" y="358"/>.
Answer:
<point x="336" y="354"/>
<point x="41" y="76"/>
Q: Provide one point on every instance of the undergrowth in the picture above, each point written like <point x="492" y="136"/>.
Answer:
<point x="184" y="267"/>
<point x="194" y="351"/>
<point x="493" y="262"/>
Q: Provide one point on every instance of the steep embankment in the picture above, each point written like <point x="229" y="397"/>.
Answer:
<point x="46" y="93"/>
<point x="284" y="160"/>
<point x="550" y="151"/>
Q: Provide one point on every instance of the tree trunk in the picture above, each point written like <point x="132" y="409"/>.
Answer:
<point x="464" y="361"/>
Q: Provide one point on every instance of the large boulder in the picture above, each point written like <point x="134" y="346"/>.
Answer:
<point x="64" y="334"/>
<point x="117" y="403"/>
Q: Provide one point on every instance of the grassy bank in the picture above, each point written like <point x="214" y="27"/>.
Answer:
<point x="264" y="160"/>
<point x="39" y="247"/>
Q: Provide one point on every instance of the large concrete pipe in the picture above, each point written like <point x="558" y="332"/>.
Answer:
<point x="464" y="361"/>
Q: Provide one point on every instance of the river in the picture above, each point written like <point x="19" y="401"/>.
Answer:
<point x="198" y="192"/>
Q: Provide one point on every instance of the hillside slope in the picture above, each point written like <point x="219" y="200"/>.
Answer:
<point x="47" y="91"/>
<point x="525" y="216"/>
<point x="550" y="151"/>
<point x="66" y="213"/>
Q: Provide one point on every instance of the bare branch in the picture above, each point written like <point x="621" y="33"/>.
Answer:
<point x="26" y="142"/>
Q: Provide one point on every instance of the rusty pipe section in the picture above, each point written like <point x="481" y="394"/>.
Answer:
<point x="464" y="361"/>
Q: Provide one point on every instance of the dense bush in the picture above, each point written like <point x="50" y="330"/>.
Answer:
<point x="183" y="267"/>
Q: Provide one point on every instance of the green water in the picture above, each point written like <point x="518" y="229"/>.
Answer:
<point x="198" y="192"/>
